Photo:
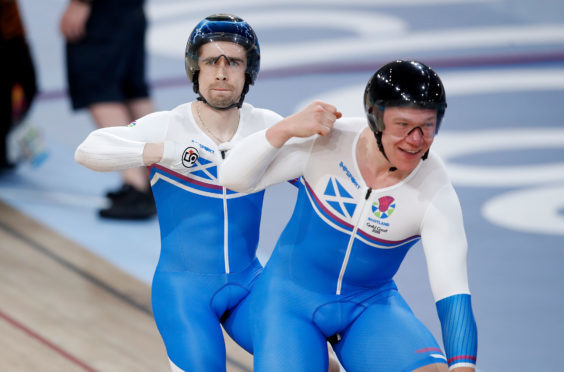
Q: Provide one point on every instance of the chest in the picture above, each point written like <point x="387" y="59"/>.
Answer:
<point x="384" y="216"/>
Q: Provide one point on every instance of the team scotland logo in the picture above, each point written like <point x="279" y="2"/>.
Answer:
<point x="384" y="207"/>
<point x="189" y="157"/>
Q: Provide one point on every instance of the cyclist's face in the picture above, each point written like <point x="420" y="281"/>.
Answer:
<point x="222" y="72"/>
<point x="408" y="134"/>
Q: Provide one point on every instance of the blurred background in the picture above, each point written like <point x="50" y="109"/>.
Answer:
<point x="502" y="62"/>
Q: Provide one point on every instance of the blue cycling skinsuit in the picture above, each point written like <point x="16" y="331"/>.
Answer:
<point x="209" y="234"/>
<point x="330" y="276"/>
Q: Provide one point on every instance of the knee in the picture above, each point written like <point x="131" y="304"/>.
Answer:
<point x="436" y="367"/>
<point x="334" y="365"/>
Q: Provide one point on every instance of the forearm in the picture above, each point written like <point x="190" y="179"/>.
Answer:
<point x="254" y="163"/>
<point x="278" y="134"/>
<point x="74" y="19"/>
<point x="464" y="369"/>
<point x="246" y="163"/>
<point x="460" y="335"/>
<point x="103" y="151"/>
<point x="316" y="118"/>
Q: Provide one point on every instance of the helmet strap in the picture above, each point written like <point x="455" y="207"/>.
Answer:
<point x="233" y="105"/>
<point x="378" y="136"/>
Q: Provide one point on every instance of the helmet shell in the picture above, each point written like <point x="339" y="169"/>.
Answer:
<point x="223" y="27"/>
<point x="403" y="83"/>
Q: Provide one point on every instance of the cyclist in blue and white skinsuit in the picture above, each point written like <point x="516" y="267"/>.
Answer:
<point x="369" y="193"/>
<point x="209" y="234"/>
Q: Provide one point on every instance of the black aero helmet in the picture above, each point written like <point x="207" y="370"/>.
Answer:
<point x="403" y="83"/>
<point x="222" y="27"/>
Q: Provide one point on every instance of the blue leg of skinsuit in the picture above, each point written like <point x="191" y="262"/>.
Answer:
<point x="186" y="322"/>
<point x="285" y="339"/>
<point x="387" y="337"/>
<point x="188" y="308"/>
<point x="240" y="317"/>
<point x="237" y="323"/>
<point x="378" y="330"/>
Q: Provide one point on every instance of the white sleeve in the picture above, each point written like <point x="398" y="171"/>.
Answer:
<point x="254" y="164"/>
<point x="445" y="246"/>
<point x="119" y="148"/>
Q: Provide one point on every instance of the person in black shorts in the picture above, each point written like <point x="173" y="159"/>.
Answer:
<point x="105" y="61"/>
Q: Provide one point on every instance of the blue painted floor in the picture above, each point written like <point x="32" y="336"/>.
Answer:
<point x="503" y="139"/>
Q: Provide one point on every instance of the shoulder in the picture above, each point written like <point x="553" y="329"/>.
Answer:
<point x="434" y="163"/>
<point x="256" y="119"/>
<point x="151" y="119"/>
<point x="181" y="110"/>
<point x="432" y="176"/>
<point x="165" y="116"/>
<point x="350" y="124"/>
<point x="260" y="115"/>
<point x="344" y="132"/>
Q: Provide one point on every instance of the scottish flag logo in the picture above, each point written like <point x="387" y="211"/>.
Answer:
<point x="205" y="169"/>
<point x="339" y="198"/>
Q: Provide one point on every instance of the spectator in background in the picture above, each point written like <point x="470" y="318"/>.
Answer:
<point x="18" y="85"/>
<point x="105" y="61"/>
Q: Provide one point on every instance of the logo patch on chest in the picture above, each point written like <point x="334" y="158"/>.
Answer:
<point x="339" y="198"/>
<point x="190" y="157"/>
<point x="384" y="207"/>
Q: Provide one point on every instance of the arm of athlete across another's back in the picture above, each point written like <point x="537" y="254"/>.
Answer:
<point x="278" y="153"/>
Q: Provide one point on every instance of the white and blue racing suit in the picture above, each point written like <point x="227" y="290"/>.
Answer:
<point x="330" y="276"/>
<point x="209" y="234"/>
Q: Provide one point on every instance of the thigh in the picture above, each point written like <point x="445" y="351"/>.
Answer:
<point x="238" y="324"/>
<point x="284" y="335"/>
<point x="105" y="68"/>
<point x="235" y="304"/>
<point x="387" y="337"/>
<point x="93" y="73"/>
<point x="289" y="344"/>
<point x="189" y="328"/>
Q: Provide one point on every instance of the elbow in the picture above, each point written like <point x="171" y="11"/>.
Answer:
<point x="80" y="157"/>
<point x="240" y="188"/>
<point x="235" y="186"/>
<point x="232" y="182"/>
<point x="84" y="158"/>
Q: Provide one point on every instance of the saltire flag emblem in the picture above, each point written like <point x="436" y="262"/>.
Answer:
<point x="339" y="198"/>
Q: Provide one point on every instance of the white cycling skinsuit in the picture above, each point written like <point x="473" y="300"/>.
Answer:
<point x="331" y="273"/>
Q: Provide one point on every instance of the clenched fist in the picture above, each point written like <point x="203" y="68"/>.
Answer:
<point x="316" y="118"/>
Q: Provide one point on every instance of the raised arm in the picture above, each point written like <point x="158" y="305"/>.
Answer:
<point x="278" y="153"/>
<point x="117" y="148"/>
<point x="316" y="118"/>
<point x="445" y="246"/>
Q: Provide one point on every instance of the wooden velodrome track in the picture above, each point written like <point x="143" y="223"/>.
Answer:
<point x="63" y="308"/>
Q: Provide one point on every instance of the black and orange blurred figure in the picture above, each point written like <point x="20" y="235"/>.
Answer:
<point x="18" y="84"/>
